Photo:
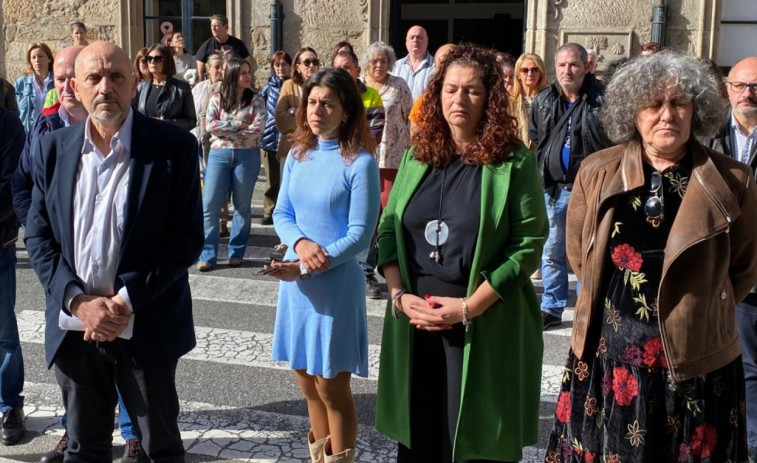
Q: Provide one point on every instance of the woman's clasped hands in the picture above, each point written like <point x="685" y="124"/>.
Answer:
<point x="431" y="313"/>
<point x="313" y="255"/>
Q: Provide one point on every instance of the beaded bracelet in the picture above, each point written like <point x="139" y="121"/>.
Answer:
<point x="395" y="310"/>
<point x="466" y="320"/>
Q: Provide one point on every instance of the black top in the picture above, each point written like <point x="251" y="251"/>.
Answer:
<point x="152" y="100"/>
<point x="461" y="212"/>
<point x="635" y="256"/>
<point x="210" y="46"/>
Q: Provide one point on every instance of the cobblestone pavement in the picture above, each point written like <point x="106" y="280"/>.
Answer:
<point x="237" y="405"/>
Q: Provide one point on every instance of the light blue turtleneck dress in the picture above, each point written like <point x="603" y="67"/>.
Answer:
<point x="321" y="323"/>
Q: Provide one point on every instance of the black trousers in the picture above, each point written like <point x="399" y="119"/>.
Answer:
<point x="88" y="373"/>
<point x="435" y="397"/>
<point x="272" y="180"/>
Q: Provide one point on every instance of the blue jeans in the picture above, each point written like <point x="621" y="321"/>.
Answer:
<point x="238" y="168"/>
<point x="554" y="262"/>
<point x="124" y="420"/>
<point x="746" y="320"/>
<point x="11" y="360"/>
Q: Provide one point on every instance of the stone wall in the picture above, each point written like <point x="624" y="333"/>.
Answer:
<point x="614" y="28"/>
<point x="27" y="21"/>
<point x="315" y="23"/>
<point x="618" y="28"/>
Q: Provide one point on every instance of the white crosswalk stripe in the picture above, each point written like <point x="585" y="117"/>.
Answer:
<point x="245" y="348"/>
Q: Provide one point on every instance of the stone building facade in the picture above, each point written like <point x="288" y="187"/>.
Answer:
<point x="614" y="28"/>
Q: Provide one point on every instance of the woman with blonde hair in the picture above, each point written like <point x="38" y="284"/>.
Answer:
<point x="32" y="87"/>
<point x="530" y="77"/>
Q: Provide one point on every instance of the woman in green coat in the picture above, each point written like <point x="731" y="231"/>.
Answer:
<point x="461" y="354"/>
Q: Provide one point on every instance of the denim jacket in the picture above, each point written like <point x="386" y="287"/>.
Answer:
<point x="25" y="98"/>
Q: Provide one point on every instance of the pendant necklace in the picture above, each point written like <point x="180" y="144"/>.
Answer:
<point x="437" y="232"/>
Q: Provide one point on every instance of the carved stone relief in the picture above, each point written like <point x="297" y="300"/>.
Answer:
<point x="610" y="44"/>
<point x="554" y="9"/>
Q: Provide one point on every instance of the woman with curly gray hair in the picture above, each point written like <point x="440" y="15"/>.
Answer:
<point x="660" y="235"/>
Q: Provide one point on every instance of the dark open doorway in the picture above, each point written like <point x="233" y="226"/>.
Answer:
<point x="494" y="23"/>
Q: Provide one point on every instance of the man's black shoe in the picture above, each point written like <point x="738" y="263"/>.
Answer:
<point x="56" y="454"/>
<point x="372" y="288"/>
<point x="13" y="426"/>
<point x="549" y="321"/>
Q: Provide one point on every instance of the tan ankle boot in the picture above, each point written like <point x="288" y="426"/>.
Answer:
<point x="316" y="447"/>
<point x="345" y="456"/>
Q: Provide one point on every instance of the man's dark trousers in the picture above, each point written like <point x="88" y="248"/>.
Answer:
<point x="746" y="319"/>
<point x="95" y="364"/>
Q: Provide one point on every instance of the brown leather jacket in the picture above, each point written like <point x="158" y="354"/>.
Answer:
<point x="710" y="258"/>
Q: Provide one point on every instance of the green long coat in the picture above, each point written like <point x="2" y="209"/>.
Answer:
<point x="499" y="411"/>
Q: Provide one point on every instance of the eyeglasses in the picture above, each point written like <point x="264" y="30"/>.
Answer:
<point x="155" y="59"/>
<point x="310" y="62"/>
<point x="654" y="208"/>
<point x="529" y="70"/>
<point x="281" y="64"/>
<point x="740" y="86"/>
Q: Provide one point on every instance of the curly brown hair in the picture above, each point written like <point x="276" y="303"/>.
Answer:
<point x="354" y="134"/>
<point x="496" y="133"/>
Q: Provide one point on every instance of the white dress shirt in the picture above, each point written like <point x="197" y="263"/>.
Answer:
<point x="102" y="183"/>
<point x="742" y="144"/>
<point x="64" y="116"/>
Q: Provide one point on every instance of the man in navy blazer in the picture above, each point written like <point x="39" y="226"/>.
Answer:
<point x="114" y="223"/>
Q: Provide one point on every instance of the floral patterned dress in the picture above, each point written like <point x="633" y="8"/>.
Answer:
<point x="619" y="404"/>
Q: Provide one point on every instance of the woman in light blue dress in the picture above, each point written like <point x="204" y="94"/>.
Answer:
<point x="326" y="213"/>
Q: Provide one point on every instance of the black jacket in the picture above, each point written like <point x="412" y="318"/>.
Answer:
<point x="162" y="234"/>
<point x="12" y="137"/>
<point x="546" y="132"/>
<point x="175" y="102"/>
<point x="8" y="96"/>
<point x="723" y="143"/>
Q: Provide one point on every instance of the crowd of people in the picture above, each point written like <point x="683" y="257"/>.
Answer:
<point x="640" y="181"/>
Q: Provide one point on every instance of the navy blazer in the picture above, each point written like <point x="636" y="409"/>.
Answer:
<point x="163" y="234"/>
<point x="22" y="182"/>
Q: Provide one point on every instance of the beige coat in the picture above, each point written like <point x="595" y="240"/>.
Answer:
<point x="289" y="98"/>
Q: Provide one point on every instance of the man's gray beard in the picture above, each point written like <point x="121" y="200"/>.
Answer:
<point x="110" y="120"/>
<point x="749" y="113"/>
<point x="572" y="87"/>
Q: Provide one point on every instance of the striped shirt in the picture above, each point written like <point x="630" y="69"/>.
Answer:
<point x="418" y="79"/>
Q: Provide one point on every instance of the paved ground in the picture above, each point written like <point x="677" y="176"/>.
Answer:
<point x="237" y="405"/>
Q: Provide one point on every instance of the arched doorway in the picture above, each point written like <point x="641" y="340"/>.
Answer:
<point x="494" y="23"/>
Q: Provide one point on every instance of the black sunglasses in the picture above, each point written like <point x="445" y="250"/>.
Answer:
<point x="154" y="59"/>
<point x="654" y="208"/>
<point x="308" y="62"/>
